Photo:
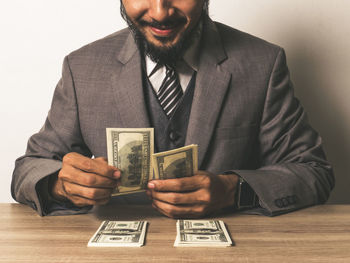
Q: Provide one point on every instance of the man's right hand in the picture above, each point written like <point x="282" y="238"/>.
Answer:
<point x="85" y="181"/>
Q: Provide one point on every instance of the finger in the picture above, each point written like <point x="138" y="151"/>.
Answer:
<point x="201" y="196"/>
<point x="80" y="201"/>
<point x="165" y="212"/>
<point x="86" y="192"/>
<point x="179" y="211"/>
<point x="58" y="191"/>
<point x="104" y="161"/>
<point x="180" y="184"/>
<point x="76" y="176"/>
<point x="101" y="159"/>
<point x="149" y="194"/>
<point x="97" y="166"/>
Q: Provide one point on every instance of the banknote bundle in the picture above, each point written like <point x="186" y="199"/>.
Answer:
<point x="177" y="163"/>
<point x="201" y="233"/>
<point x="119" y="234"/>
<point x="131" y="150"/>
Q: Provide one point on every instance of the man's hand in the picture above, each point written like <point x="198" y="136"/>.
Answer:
<point x="85" y="181"/>
<point x="193" y="196"/>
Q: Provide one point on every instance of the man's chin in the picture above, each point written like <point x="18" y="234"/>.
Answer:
<point x="162" y="43"/>
<point x="161" y="49"/>
<point x="164" y="50"/>
<point x="163" y="54"/>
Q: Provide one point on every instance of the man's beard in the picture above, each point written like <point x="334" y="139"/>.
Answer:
<point x="166" y="54"/>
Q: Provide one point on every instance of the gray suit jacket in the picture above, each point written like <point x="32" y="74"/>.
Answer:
<point x="244" y="118"/>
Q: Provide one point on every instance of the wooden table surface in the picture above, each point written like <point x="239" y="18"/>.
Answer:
<point x="316" y="234"/>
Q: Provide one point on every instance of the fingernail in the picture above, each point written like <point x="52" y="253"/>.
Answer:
<point x="117" y="174"/>
<point x="151" y="185"/>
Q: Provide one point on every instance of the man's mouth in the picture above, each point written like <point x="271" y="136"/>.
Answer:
<point x="162" y="32"/>
<point x="164" y="29"/>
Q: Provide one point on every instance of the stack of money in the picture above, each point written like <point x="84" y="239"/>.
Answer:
<point x="201" y="233"/>
<point x="177" y="163"/>
<point x="119" y="234"/>
<point x="131" y="150"/>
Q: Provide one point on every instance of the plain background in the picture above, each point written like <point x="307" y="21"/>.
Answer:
<point x="37" y="34"/>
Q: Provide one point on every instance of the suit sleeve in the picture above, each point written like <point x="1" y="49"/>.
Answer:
<point x="294" y="171"/>
<point x="45" y="150"/>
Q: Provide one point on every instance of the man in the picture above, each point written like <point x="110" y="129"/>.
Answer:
<point x="194" y="81"/>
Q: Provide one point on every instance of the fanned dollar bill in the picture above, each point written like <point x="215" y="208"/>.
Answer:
<point x="177" y="163"/>
<point x="202" y="233"/>
<point x="119" y="234"/>
<point x="130" y="150"/>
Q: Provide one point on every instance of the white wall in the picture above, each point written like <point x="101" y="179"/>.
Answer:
<point x="35" y="37"/>
<point x="37" y="34"/>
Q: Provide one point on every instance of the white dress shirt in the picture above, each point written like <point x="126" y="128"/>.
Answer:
<point x="184" y="67"/>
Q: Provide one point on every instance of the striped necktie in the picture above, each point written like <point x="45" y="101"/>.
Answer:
<point x="170" y="92"/>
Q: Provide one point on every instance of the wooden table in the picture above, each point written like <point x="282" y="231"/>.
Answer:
<point x="316" y="234"/>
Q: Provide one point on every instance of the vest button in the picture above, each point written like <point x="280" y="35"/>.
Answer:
<point x="172" y="136"/>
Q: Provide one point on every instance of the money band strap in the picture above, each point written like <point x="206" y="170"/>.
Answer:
<point x="170" y="92"/>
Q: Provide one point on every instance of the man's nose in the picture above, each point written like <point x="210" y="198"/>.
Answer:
<point x="160" y="10"/>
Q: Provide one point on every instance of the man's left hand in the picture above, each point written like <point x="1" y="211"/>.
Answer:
<point x="193" y="197"/>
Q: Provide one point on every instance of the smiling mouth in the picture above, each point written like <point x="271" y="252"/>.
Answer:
<point x="163" y="32"/>
<point x="165" y="29"/>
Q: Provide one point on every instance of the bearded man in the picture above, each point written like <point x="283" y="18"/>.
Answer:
<point x="230" y="93"/>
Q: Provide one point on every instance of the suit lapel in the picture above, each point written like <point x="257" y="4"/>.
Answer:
<point x="128" y="87"/>
<point x="211" y="86"/>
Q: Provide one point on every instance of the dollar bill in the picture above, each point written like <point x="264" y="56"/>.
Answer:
<point x="177" y="163"/>
<point x="202" y="233"/>
<point x="130" y="150"/>
<point x="119" y="234"/>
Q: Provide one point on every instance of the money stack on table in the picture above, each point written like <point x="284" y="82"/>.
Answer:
<point x="202" y="233"/>
<point x="119" y="234"/>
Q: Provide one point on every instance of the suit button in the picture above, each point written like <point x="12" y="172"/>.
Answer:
<point x="279" y="203"/>
<point x="285" y="201"/>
